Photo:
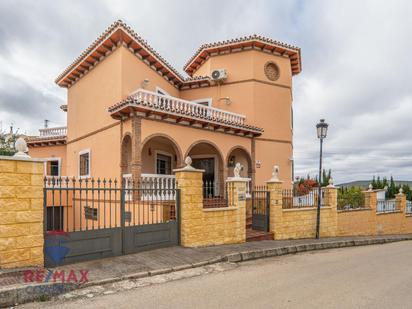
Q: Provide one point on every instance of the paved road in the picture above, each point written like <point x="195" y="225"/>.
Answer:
<point x="377" y="276"/>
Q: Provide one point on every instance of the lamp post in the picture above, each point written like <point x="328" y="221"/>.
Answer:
<point x="322" y="130"/>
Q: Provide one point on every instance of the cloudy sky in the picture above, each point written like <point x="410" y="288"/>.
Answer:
<point x="357" y="71"/>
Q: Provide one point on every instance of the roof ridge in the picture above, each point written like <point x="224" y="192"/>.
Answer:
<point x="118" y="24"/>
<point x="238" y="40"/>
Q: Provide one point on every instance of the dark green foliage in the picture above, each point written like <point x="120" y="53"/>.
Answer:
<point x="350" y="198"/>
<point x="392" y="187"/>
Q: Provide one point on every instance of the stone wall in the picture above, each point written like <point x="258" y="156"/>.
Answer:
<point x="297" y="223"/>
<point x="211" y="226"/>
<point x="21" y="213"/>
<point x="367" y="222"/>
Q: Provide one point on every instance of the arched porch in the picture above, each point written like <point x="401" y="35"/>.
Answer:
<point x="207" y="156"/>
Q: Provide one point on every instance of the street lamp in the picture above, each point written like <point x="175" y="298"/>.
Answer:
<point x="322" y="130"/>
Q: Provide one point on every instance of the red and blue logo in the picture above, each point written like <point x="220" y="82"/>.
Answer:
<point x="54" y="245"/>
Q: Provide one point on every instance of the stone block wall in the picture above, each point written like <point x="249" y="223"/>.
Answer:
<point x="21" y="213"/>
<point x="368" y="222"/>
<point x="212" y="226"/>
<point x="297" y="223"/>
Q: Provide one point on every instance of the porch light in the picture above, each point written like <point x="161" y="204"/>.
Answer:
<point x="232" y="161"/>
<point x="322" y="129"/>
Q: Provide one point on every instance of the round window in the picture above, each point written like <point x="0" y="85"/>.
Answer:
<point x="272" y="71"/>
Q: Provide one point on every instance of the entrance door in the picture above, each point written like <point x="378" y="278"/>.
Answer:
<point x="208" y="165"/>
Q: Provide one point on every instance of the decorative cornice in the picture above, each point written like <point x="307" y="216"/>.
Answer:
<point x="245" y="43"/>
<point x="120" y="34"/>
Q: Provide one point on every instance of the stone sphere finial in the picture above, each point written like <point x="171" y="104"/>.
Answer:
<point x="400" y="191"/>
<point x="385" y="188"/>
<point x="370" y="187"/>
<point x="330" y="183"/>
<point x="21" y="147"/>
<point x="188" y="161"/>
<point x="237" y="169"/>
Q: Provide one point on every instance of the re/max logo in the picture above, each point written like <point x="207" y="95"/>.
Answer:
<point x="61" y="276"/>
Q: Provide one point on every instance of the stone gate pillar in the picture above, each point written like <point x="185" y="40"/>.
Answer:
<point x="274" y="186"/>
<point x="189" y="181"/>
<point x="21" y="211"/>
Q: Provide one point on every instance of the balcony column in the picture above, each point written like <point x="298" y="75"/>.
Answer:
<point x="136" y="164"/>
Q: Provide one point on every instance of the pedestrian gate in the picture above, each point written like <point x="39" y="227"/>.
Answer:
<point x="260" y="209"/>
<point x="88" y="219"/>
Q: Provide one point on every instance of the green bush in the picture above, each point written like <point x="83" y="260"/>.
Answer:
<point x="351" y="198"/>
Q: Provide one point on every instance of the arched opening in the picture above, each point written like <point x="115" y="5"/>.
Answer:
<point x="160" y="155"/>
<point x="126" y="157"/>
<point x="239" y="155"/>
<point x="207" y="157"/>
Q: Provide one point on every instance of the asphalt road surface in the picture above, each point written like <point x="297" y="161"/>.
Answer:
<point x="377" y="276"/>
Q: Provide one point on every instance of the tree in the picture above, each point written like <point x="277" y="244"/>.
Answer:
<point x="326" y="177"/>
<point x="374" y="182"/>
<point x="392" y="190"/>
<point x="7" y="141"/>
<point x="378" y="183"/>
<point x="351" y="198"/>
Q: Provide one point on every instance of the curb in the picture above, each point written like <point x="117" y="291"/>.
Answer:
<point x="29" y="293"/>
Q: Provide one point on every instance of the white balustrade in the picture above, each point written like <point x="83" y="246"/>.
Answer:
<point x="385" y="206"/>
<point x="409" y="207"/>
<point x="190" y="109"/>
<point x="50" y="132"/>
<point x="152" y="187"/>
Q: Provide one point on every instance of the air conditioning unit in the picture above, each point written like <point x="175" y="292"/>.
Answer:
<point x="219" y="74"/>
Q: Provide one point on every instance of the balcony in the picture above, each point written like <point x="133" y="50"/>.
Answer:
<point x="48" y="137"/>
<point x="175" y="110"/>
<point x="52" y="132"/>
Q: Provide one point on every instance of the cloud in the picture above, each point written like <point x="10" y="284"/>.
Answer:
<point x="356" y="66"/>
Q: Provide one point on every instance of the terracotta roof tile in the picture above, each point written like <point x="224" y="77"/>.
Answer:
<point x="235" y="41"/>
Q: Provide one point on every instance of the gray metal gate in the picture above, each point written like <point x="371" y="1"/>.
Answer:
<point x="260" y="209"/>
<point x="91" y="219"/>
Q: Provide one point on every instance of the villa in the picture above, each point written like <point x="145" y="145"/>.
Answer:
<point x="130" y="114"/>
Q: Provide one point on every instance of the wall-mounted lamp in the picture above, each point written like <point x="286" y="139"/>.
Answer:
<point x="150" y="151"/>
<point x="144" y="83"/>
<point x="232" y="160"/>
<point x="226" y="100"/>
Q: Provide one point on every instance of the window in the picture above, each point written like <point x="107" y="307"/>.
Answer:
<point x="90" y="213"/>
<point x="162" y="91"/>
<point x="55" y="218"/>
<point x="52" y="167"/>
<point x="84" y="163"/>
<point x="205" y="102"/>
<point x="163" y="164"/>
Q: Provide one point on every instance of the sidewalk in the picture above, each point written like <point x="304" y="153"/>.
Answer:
<point x="13" y="289"/>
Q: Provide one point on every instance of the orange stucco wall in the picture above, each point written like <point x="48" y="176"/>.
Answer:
<point x="265" y="104"/>
<point x="51" y="152"/>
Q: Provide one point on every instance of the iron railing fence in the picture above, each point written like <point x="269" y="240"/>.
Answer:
<point x="386" y="206"/>
<point x="73" y="204"/>
<point x="260" y="197"/>
<point x="351" y="202"/>
<point x="216" y="195"/>
<point x="409" y="207"/>
<point x="293" y="199"/>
